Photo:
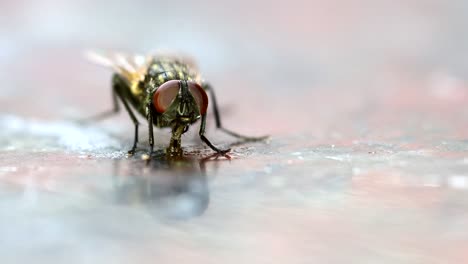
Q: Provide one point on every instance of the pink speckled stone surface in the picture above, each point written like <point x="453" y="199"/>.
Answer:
<point x="366" y="103"/>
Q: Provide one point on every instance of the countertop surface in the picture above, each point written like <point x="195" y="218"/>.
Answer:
<point x="366" y="108"/>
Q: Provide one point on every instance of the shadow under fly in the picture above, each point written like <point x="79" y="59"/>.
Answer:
<point x="173" y="187"/>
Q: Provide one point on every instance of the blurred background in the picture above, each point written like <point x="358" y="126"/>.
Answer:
<point x="366" y="102"/>
<point x="314" y="58"/>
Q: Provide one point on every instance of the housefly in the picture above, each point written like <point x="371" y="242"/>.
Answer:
<point x="168" y="91"/>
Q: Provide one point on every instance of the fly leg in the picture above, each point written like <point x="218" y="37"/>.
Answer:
<point x="105" y="114"/>
<point x="209" y="88"/>
<point x="149" y="117"/>
<point x="110" y="112"/>
<point x="119" y="94"/>
<point x="135" y="122"/>
<point x="202" y="136"/>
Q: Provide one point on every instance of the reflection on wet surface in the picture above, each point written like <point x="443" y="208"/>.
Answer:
<point x="365" y="101"/>
<point x="171" y="187"/>
<point x="274" y="202"/>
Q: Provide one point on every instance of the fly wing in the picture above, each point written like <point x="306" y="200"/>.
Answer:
<point x="132" y="67"/>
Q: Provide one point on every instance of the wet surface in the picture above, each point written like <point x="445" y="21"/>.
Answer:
<point x="281" y="200"/>
<point x="367" y="160"/>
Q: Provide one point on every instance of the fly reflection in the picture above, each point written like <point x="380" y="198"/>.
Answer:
<point x="168" y="187"/>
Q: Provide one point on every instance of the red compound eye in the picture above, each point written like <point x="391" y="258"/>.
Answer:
<point x="165" y="94"/>
<point x="200" y="96"/>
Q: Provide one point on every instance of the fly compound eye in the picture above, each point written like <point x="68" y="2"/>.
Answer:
<point x="165" y="94"/>
<point x="200" y="96"/>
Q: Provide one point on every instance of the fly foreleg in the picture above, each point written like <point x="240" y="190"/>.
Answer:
<point x="217" y="116"/>
<point x="149" y="117"/>
<point x="204" y="139"/>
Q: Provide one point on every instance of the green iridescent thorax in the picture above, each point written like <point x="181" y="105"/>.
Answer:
<point x="163" y="70"/>
<point x="159" y="71"/>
